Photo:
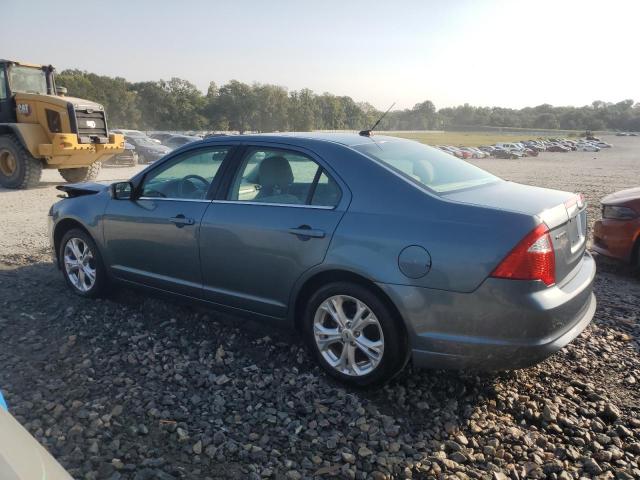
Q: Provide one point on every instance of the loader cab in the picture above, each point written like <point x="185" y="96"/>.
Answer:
<point x="7" y="112"/>
<point x="25" y="78"/>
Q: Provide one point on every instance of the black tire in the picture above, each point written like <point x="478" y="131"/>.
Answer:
<point x="18" y="168"/>
<point x="101" y="284"/>
<point x="81" y="174"/>
<point x="395" y="354"/>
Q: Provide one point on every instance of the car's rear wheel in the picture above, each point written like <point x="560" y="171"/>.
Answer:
<point x="354" y="335"/>
<point x="81" y="264"/>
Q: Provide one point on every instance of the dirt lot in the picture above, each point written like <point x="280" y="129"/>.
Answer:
<point x="138" y="387"/>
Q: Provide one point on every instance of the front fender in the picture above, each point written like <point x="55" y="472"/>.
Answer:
<point x="85" y="211"/>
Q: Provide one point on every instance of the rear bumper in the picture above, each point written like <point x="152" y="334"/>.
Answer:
<point x="125" y="158"/>
<point x="615" y="238"/>
<point x="151" y="156"/>
<point x="504" y="324"/>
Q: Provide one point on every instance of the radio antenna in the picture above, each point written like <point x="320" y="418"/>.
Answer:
<point x="367" y="133"/>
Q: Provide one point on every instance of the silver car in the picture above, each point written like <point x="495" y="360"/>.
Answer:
<point x="379" y="250"/>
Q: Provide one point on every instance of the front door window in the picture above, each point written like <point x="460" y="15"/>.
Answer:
<point x="189" y="177"/>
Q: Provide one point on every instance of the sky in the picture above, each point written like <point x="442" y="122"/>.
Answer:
<point x="509" y="53"/>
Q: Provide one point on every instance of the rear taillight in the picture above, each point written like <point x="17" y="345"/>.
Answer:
<point x="532" y="259"/>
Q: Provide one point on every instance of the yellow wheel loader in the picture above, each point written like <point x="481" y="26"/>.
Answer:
<point x="40" y="127"/>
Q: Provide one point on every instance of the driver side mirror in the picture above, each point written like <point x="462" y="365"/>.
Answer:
<point x="122" y="191"/>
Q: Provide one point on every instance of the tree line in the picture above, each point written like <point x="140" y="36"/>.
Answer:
<point x="177" y="104"/>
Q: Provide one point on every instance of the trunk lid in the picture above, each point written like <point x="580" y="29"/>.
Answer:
<point x="564" y="213"/>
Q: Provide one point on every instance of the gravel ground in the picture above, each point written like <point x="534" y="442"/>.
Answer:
<point x="138" y="387"/>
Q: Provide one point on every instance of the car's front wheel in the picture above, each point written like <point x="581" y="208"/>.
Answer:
<point x="354" y="335"/>
<point x="81" y="264"/>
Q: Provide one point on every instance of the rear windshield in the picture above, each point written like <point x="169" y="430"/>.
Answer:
<point x="426" y="166"/>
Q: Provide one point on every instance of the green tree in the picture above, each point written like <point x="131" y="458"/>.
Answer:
<point x="113" y="93"/>
<point x="546" y="120"/>
<point x="237" y="101"/>
<point x="304" y="110"/>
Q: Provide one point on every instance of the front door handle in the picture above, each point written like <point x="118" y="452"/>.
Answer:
<point x="306" y="232"/>
<point x="180" y="221"/>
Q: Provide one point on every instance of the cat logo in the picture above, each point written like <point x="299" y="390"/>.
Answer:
<point x="24" y="109"/>
<point x="91" y="124"/>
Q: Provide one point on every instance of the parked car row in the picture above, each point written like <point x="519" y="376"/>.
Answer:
<point x="145" y="148"/>
<point x="525" y="148"/>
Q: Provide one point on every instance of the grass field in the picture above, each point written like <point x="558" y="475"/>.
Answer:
<point x="468" y="139"/>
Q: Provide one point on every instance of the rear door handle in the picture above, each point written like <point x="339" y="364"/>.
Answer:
<point x="180" y="221"/>
<point x="306" y="231"/>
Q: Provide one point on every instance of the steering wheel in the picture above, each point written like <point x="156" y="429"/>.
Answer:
<point x="186" y="179"/>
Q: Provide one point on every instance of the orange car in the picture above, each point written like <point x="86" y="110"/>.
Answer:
<point x="617" y="234"/>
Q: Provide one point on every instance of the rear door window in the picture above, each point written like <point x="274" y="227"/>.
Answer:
<point x="283" y="177"/>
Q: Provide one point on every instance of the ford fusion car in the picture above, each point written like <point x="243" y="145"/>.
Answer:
<point x="379" y="250"/>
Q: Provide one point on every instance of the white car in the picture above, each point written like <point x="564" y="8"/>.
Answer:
<point x="22" y="457"/>
<point x="481" y="154"/>
<point x="587" y="147"/>
<point x="511" y="146"/>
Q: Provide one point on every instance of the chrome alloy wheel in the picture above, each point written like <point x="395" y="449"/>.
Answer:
<point x="348" y="335"/>
<point x="79" y="264"/>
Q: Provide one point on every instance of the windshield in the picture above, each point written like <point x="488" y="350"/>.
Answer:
<point x="27" y="79"/>
<point x="427" y="166"/>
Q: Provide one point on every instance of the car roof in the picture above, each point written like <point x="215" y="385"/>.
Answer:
<point x="307" y="138"/>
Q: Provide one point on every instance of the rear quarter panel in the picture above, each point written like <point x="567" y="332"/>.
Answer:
<point x="388" y="213"/>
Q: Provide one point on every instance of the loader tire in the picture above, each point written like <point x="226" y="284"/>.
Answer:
<point x="81" y="174"/>
<point x="18" y="168"/>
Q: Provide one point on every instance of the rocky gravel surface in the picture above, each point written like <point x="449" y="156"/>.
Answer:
<point x="137" y="387"/>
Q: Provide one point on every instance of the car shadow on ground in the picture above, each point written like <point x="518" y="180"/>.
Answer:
<point x="616" y="267"/>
